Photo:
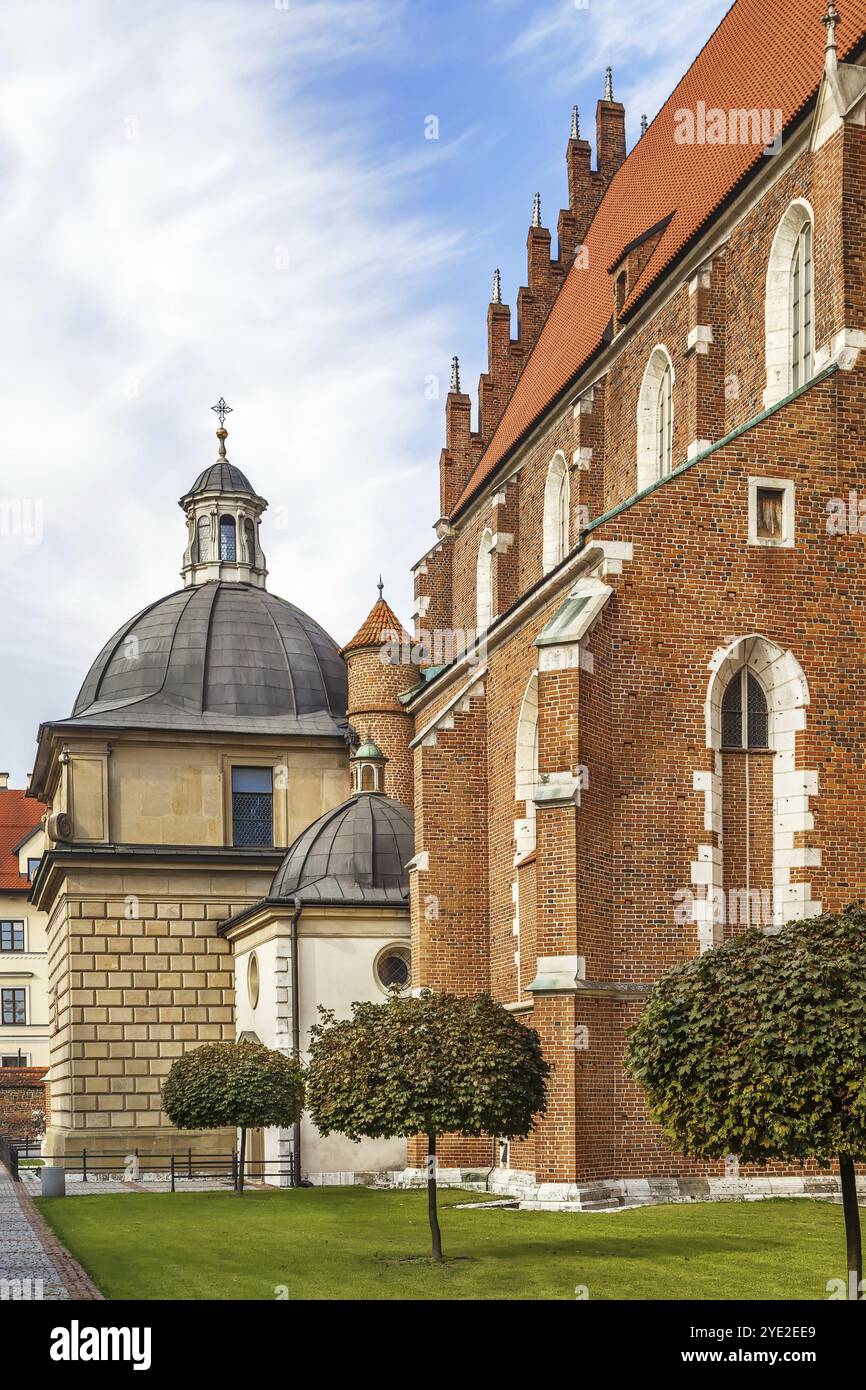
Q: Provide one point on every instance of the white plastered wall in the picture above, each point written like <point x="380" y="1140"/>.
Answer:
<point x="337" y="953"/>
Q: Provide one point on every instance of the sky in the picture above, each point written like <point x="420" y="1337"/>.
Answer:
<point x="242" y="198"/>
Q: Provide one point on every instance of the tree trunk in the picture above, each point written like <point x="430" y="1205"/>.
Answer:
<point x="432" y="1212"/>
<point x="852" y="1226"/>
<point x="242" y="1157"/>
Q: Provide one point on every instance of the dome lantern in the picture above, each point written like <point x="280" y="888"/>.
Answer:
<point x="368" y="768"/>
<point x="223" y="514"/>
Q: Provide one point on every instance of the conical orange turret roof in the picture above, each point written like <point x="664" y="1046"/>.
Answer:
<point x="381" y="625"/>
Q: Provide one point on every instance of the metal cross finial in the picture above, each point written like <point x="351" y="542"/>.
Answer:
<point x="575" y="123"/>
<point x="497" y="288"/>
<point x="455" y="373"/>
<point x="536" y="210"/>
<point x="608" y="84"/>
<point x="222" y="410"/>
<point x="380" y="586"/>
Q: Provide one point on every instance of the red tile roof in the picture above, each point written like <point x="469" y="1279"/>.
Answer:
<point x="761" y="56"/>
<point x="18" y="814"/>
<point x="380" y="625"/>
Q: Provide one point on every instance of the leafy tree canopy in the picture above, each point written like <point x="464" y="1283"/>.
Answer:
<point x="758" y="1047"/>
<point x="232" y="1085"/>
<point x="436" y="1064"/>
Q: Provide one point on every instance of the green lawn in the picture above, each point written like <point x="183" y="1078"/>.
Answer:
<point x="337" y="1243"/>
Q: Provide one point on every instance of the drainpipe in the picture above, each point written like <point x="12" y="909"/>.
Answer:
<point x="296" y="1037"/>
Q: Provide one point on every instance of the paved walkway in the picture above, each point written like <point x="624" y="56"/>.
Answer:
<point x="29" y="1251"/>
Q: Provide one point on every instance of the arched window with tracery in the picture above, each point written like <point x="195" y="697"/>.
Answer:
<point x="555" y="539"/>
<point x="747" y="804"/>
<point x="789" y="308"/>
<point x="655" y="420"/>
<point x="745" y="716"/>
<point x="801" y="308"/>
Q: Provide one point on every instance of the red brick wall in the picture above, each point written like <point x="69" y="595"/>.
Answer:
<point x="608" y="874"/>
<point x="22" y="1090"/>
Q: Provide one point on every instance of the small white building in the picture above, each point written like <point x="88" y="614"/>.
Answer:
<point x="24" y="1008"/>
<point x="333" y="929"/>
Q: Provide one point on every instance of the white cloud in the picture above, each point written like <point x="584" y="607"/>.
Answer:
<point x="654" y="41"/>
<point x="159" y="165"/>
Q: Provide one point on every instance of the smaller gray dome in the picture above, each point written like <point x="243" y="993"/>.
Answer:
<point x="355" y="854"/>
<point x="222" y="476"/>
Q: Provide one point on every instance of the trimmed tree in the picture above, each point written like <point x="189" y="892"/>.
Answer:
<point x="758" y="1048"/>
<point x="228" y="1085"/>
<point x="432" y="1065"/>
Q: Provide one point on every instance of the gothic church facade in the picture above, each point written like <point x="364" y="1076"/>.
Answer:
<point x="658" y="737"/>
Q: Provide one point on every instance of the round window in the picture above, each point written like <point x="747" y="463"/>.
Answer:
<point x="253" y="980"/>
<point x="392" y="967"/>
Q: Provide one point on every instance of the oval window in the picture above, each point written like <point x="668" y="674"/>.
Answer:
<point x="253" y="981"/>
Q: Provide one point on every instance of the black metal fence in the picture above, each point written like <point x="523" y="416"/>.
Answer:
<point x="9" y="1157"/>
<point x="176" y="1167"/>
<point x="11" y="1150"/>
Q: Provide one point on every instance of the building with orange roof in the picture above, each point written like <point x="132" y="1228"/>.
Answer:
<point x="23" y="942"/>
<point x="652" y="519"/>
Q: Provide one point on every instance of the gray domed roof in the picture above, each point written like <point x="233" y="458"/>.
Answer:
<point x="221" y="656"/>
<point x="356" y="854"/>
<point x="222" y="476"/>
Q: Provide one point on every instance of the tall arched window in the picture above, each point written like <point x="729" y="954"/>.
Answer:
<point x="555" y="539"/>
<point x="484" y="583"/>
<point x="203" y="539"/>
<point x="745" y="716"/>
<point x="526" y="767"/>
<point x="801" y="308"/>
<point x="789" y="304"/>
<point x="655" y="420"/>
<point x="228" y="538"/>
<point x="250" y="539"/>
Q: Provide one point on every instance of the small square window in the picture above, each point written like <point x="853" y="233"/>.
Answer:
<point x="771" y="512"/>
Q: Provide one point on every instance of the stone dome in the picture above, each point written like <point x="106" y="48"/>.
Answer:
<point x="221" y="656"/>
<point x="355" y="854"/>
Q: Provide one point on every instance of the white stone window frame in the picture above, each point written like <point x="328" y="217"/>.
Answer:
<point x="556" y="526"/>
<point x="788" y="490"/>
<point x="484" y="581"/>
<point x="649" y="466"/>
<point x="784" y="683"/>
<point x="778" y="327"/>
<point x="526" y="770"/>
